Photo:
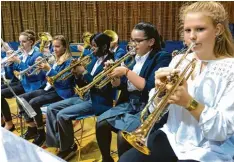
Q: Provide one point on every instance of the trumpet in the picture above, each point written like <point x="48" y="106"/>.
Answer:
<point x="101" y="79"/>
<point x="84" y="61"/>
<point x="139" y="138"/>
<point x="26" y="71"/>
<point x="13" y="54"/>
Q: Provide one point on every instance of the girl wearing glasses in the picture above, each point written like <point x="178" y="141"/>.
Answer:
<point x="134" y="84"/>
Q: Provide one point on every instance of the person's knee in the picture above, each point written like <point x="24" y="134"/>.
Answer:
<point x="35" y="103"/>
<point x="50" y="109"/>
<point x="60" y="116"/>
<point x="100" y="125"/>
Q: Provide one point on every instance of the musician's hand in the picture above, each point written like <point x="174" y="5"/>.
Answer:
<point x="78" y="70"/>
<point x="80" y="48"/>
<point x="8" y="53"/>
<point x="118" y="72"/>
<point x="115" y="82"/>
<point x="108" y="63"/>
<point x="162" y="74"/>
<point x="15" y="59"/>
<point x="43" y="65"/>
<point x="181" y="96"/>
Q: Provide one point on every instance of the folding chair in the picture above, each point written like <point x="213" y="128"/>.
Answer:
<point x="79" y="141"/>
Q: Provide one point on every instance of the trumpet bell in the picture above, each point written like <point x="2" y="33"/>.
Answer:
<point x="136" y="142"/>
<point x="45" y="36"/>
<point x="113" y="35"/>
<point x="86" y="38"/>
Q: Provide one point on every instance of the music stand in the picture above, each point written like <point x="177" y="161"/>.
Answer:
<point x="25" y="105"/>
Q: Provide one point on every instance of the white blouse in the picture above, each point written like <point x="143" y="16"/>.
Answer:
<point x="201" y="140"/>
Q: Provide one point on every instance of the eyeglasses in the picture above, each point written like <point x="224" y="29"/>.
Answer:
<point x="138" y="41"/>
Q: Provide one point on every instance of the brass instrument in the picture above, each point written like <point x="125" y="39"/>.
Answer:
<point x="113" y="35"/>
<point x="26" y="71"/>
<point x="44" y="38"/>
<point x="102" y="79"/>
<point x="83" y="61"/>
<point x="86" y="38"/>
<point x="139" y="138"/>
<point x="6" y="62"/>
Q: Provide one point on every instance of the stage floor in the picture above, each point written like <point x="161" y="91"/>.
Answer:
<point x="89" y="148"/>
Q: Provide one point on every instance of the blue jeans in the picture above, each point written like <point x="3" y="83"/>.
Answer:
<point x="59" y="128"/>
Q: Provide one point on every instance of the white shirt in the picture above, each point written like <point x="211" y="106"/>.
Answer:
<point x="48" y="85"/>
<point x="140" y="60"/>
<point x="25" y="55"/>
<point x="202" y="140"/>
<point x="98" y="62"/>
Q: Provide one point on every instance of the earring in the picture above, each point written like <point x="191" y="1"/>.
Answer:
<point x="218" y="38"/>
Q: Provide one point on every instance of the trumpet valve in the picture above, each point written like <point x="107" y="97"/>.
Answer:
<point x="50" y="80"/>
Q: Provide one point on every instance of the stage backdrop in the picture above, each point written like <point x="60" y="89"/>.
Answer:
<point x="73" y="18"/>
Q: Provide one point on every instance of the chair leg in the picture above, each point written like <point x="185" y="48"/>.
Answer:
<point x="81" y="137"/>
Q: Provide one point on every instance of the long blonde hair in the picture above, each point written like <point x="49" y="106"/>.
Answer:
<point x="65" y="44"/>
<point x="224" y="45"/>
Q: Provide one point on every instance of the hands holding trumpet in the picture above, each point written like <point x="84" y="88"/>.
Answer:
<point x="77" y="70"/>
<point x="44" y="65"/>
<point x="163" y="78"/>
<point x="116" y="73"/>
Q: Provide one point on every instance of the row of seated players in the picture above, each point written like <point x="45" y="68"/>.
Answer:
<point x="135" y="85"/>
<point x="35" y="90"/>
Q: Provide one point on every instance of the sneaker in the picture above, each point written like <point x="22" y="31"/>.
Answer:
<point x="30" y="133"/>
<point x="40" y="138"/>
<point x="69" y="153"/>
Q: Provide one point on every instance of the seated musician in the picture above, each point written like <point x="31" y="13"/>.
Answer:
<point x="61" y="90"/>
<point x="27" y="83"/>
<point x="114" y="46"/>
<point x="134" y="89"/>
<point x="59" y="128"/>
<point x="200" y="124"/>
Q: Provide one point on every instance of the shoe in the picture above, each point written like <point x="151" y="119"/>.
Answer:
<point x="40" y="137"/>
<point x="30" y="133"/>
<point x="69" y="153"/>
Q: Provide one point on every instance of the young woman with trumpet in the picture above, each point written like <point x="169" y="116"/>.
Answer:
<point x="201" y="110"/>
<point x="27" y="84"/>
<point x="59" y="128"/>
<point x="62" y="89"/>
<point x="135" y="85"/>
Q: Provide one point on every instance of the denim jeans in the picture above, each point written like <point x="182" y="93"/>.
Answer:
<point x="59" y="128"/>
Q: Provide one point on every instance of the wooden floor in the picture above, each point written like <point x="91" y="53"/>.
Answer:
<point x="89" y="148"/>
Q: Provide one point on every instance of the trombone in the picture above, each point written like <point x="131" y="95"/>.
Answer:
<point x="101" y="79"/>
<point x="139" y="138"/>
<point x="83" y="61"/>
